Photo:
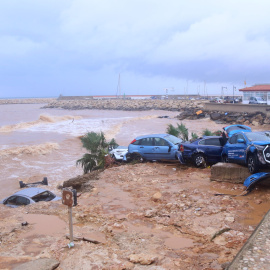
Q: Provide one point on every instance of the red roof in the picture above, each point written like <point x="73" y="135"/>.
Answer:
<point x="259" y="87"/>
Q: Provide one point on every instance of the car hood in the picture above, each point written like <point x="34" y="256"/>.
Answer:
<point x="260" y="143"/>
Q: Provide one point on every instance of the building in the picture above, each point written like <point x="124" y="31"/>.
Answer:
<point x="258" y="90"/>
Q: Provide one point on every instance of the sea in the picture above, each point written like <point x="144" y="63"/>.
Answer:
<point x="37" y="142"/>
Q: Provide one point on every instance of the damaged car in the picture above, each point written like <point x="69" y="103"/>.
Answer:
<point x="29" y="196"/>
<point x="248" y="148"/>
<point x="153" y="147"/>
<point x="202" y="151"/>
<point x="119" y="152"/>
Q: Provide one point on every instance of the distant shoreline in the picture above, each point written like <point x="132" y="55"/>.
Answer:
<point x="4" y="101"/>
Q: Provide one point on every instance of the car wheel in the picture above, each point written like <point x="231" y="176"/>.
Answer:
<point x="225" y="159"/>
<point x="252" y="164"/>
<point x="199" y="160"/>
<point x="137" y="157"/>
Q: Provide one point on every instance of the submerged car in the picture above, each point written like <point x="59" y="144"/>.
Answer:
<point x="201" y="151"/>
<point x="29" y="196"/>
<point x="154" y="147"/>
<point x="119" y="152"/>
<point x="248" y="148"/>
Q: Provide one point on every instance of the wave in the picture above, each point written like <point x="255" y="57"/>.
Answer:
<point x="114" y="130"/>
<point x="41" y="149"/>
<point x="43" y="119"/>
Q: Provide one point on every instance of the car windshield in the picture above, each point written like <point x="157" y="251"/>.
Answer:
<point x="173" y="139"/>
<point x="252" y="136"/>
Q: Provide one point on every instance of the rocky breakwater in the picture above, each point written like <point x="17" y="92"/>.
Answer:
<point x="124" y="104"/>
<point x="26" y="101"/>
<point x="254" y="118"/>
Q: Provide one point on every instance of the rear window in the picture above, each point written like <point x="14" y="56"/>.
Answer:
<point x="236" y="128"/>
<point x="44" y="196"/>
<point x="213" y="141"/>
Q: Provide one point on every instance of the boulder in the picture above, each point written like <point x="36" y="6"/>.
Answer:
<point x="215" y="116"/>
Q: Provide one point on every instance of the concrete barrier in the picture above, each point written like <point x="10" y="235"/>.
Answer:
<point x="240" y="108"/>
<point x="229" y="172"/>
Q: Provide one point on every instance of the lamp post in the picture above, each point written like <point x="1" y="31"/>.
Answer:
<point x="233" y="92"/>
<point x="222" y="91"/>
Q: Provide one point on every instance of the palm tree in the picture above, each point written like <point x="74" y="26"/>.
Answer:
<point x="180" y="131"/>
<point x="98" y="147"/>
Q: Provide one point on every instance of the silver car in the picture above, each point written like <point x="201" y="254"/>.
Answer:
<point x="29" y="196"/>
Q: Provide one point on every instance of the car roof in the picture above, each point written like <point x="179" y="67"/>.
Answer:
<point x="30" y="192"/>
<point x="153" y="135"/>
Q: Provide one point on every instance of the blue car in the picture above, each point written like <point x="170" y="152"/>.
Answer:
<point x="248" y="148"/>
<point x="204" y="150"/>
<point x="154" y="147"/>
<point x="232" y="129"/>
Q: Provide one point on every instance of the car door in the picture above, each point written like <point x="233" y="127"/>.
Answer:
<point x="240" y="147"/>
<point x="213" y="149"/>
<point x="162" y="149"/>
<point x="146" y="148"/>
<point x="233" y="149"/>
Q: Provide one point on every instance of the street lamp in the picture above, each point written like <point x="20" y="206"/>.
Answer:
<point x="233" y="92"/>
<point x="222" y="92"/>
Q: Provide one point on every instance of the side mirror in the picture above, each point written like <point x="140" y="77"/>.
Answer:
<point x="240" y="141"/>
<point x="170" y="148"/>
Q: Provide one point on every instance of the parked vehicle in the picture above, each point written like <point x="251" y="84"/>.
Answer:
<point x="154" y="147"/>
<point x="257" y="100"/>
<point x="204" y="150"/>
<point x="119" y="152"/>
<point x="248" y="148"/>
<point x="29" y="196"/>
<point x="232" y="129"/>
<point x="228" y="99"/>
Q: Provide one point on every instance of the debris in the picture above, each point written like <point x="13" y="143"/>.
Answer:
<point x="84" y="239"/>
<point x="220" y="232"/>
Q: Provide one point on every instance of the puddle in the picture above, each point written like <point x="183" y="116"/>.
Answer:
<point x="41" y="233"/>
<point x="176" y="242"/>
<point x="45" y="225"/>
<point x="254" y="212"/>
<point x="170" y="240"/>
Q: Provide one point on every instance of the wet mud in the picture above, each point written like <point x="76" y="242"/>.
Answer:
<point x="157" y="214"/>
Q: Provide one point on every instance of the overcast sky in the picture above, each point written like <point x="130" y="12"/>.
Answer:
<point x="79" y="47"/>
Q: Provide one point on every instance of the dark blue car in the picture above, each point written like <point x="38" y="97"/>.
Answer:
<point x="248" y="148"/>
<point x="204" y="150"/>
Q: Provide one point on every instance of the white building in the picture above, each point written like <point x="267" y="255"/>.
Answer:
<point x="258" y="90"/>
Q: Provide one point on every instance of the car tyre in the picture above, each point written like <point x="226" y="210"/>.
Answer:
<point x="138" y="158"/>
<point x="252" y="164"/>
<point x="199" y="160"/>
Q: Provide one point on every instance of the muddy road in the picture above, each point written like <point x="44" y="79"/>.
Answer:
<point x="143" y="216"/>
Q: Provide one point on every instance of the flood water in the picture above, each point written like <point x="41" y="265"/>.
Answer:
<point x="36" y="142"/>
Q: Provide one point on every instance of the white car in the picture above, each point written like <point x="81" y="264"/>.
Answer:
<point x="119" y="152"/>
